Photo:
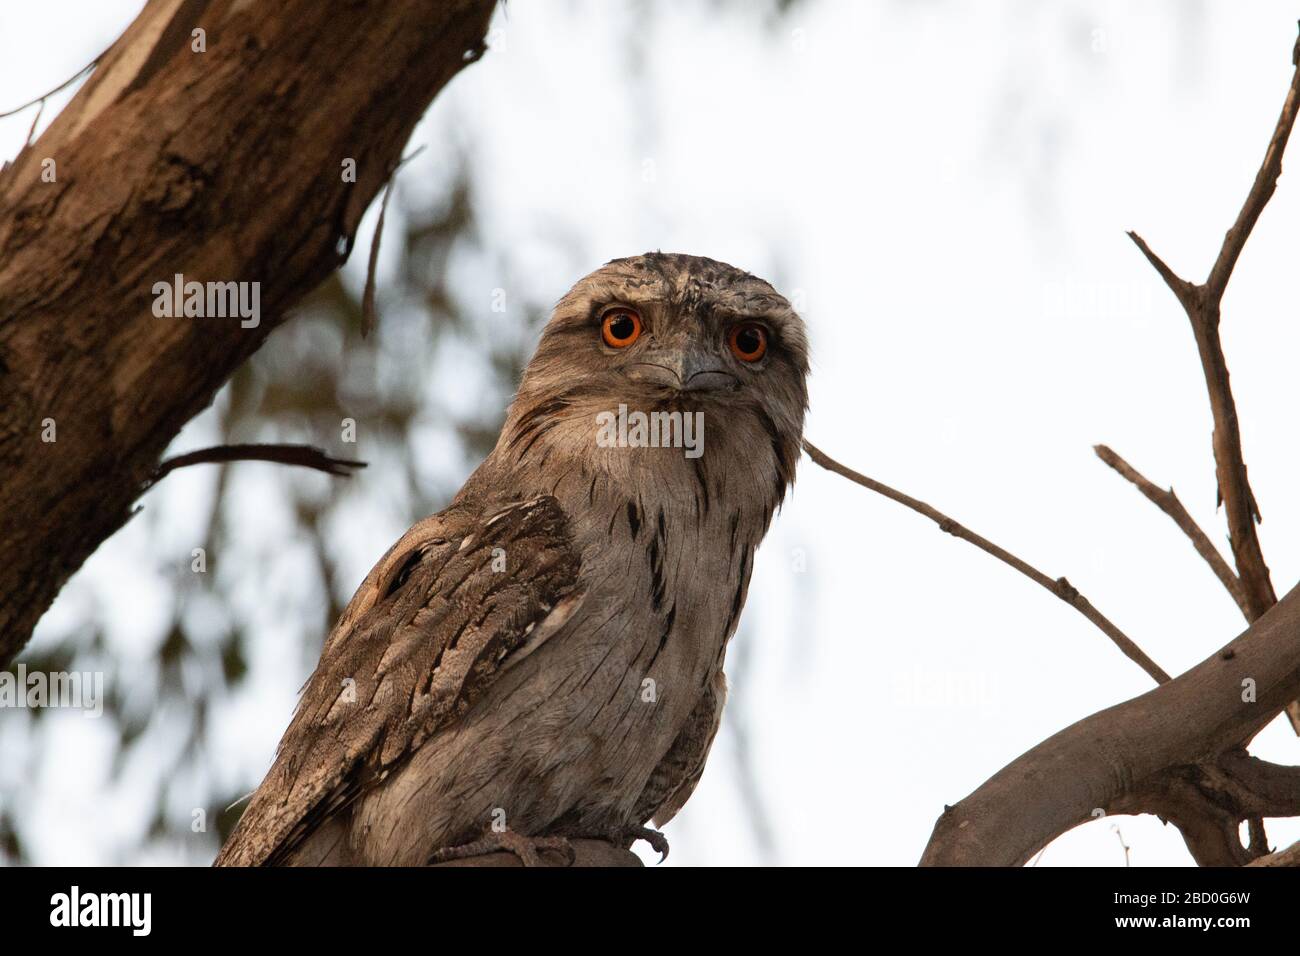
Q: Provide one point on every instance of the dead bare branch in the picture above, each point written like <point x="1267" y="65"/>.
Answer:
<point x="1260" y="191"/>
<point x="1168" y="502"/>
<point x="1288" y="857"/>
<point x="1058" y="586"/>
<point x="368" y="295"/>
<point x="1174" y="751"/>
<point x="1181" y="288"/>
<point x="31" y="130"/>
<point x="85" y="70"/>
<point x="1202" y="305"/>
<point x="304" y="456"/>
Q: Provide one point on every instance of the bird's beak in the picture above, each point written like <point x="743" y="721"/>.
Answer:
<point x="688" y="369"/>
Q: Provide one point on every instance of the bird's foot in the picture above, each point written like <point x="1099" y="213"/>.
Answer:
<point x="658" y="842"/>
<point x="527" y="848"/>
<point x="626" y="836"/>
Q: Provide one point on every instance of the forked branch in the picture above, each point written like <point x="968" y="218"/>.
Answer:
<point x="1176" y="751"/>
<point x="1202" y="305"/>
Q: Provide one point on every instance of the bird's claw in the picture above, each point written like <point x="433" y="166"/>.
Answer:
<point x="658" y="842"/>
<point x="626" y="836"/>
<point x="526" y="848"/>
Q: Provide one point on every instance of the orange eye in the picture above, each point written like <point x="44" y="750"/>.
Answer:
<point x="748" y="342"/>
<point x="620" y="328"/>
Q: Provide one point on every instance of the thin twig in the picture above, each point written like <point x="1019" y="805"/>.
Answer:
<point x="1261" y="190"/>
<point x="305" y="456"/>
<point x="1181" y="288"/>
<point x="31" y="133"/>
<point x="1202" y="305"/>
<point x="1168" y="502"/>
<point x="1059" y="587"/>
<point x="368" y="296"/>
<point x="58" y="89"/>
<point x="1128" y="861"/>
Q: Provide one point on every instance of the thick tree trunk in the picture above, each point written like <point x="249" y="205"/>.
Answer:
<point x="221" y="165"/>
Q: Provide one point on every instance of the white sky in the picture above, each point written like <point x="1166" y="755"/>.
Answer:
<point x="944" y="187"/>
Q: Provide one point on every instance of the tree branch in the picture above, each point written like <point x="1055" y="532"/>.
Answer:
<point x="1209" y="800"/>
<point x="372" y="264"/>
<point x="1202" y="305"/>
<point x="1287" y="857"/>
<point x="305" y="456"/>
<point x="1260" y="191"/>
<point x="1168" y="502"/>
<point x="1262" y="788"/>
<point x="40" y="100"/>
<point x="1134" y="758"/>
<point x="221" y="165"/>
<point x="1184" y="290"/>
<point x="1059" y="586"/>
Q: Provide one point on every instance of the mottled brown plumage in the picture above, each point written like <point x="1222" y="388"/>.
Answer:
<point x="546" y="653"/>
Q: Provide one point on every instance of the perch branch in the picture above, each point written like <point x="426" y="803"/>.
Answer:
<point x="1059" y="586"/>
<point x="1168" y="502"/>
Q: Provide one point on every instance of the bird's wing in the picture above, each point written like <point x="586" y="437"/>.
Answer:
<point x="458" y="598"/>
<point x="674" y="779"/>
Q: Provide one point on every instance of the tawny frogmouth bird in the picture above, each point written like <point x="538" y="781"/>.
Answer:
<point x="543" y="659"/>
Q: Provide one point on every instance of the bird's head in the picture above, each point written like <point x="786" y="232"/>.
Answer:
<point x="662" y="333"/>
